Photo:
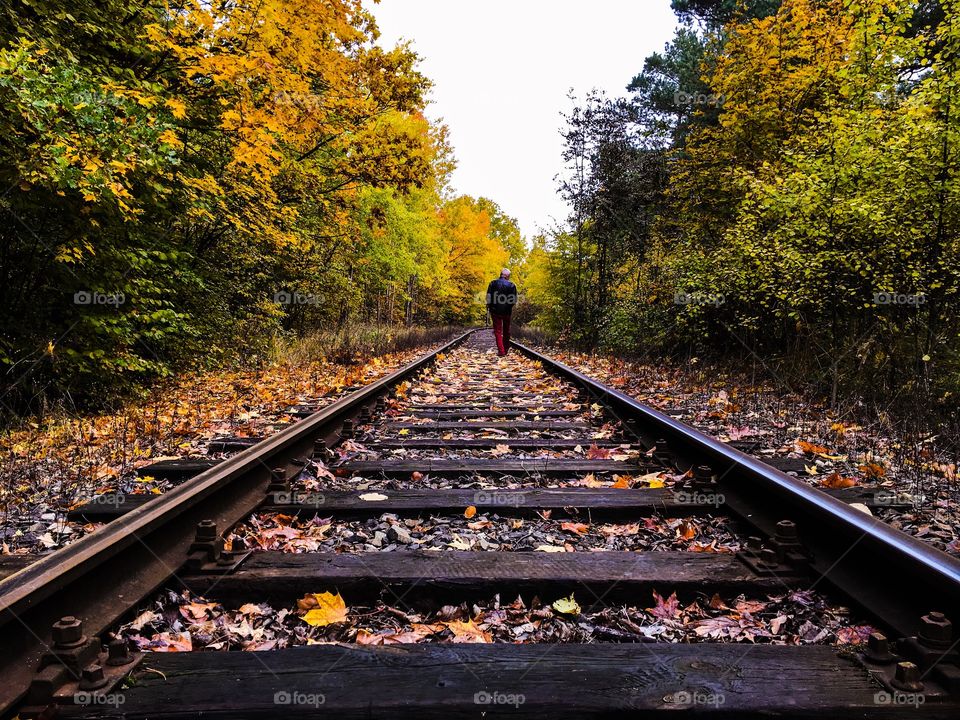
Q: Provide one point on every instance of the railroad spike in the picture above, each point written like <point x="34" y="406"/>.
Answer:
<point x="878" y="649"/>
<point x="347" y="431"/>
<point x="907" y="677"/>
<point x="118" y="652"/>
<point x="278" y="481"/>
<point x="93" y="678"/>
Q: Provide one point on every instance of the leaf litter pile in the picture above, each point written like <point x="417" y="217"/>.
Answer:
<point x="180" y="622"/>
<point x="482" y="531"/>
<point x="916" y="476"/>
<point x="48" y="469"/>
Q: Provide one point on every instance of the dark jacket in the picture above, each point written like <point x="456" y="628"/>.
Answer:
<point x="501" y="297"/>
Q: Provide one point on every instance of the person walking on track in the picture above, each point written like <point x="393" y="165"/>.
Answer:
<point x="501" y="297"/>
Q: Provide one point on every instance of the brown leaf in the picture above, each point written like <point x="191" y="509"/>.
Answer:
<point x="668" y="609"/>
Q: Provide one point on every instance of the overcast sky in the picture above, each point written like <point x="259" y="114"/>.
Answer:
<point x="502" y="69"/>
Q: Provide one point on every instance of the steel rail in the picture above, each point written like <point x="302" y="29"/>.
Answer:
<point x="105" y="574"/>
<point x="894" y="576"/>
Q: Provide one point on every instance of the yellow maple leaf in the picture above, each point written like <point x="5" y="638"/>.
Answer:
<point x="567" y="606"/>
<point x="330" y="609"/>
<point x="468" y="632"/>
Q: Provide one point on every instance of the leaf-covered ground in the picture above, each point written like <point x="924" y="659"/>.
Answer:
<point x="482" y="531"/>
<point x="918" y="476"/>
<point x="180" y="622"/>
<point x="47" y="470"/>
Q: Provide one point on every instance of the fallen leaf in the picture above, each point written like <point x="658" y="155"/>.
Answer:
<point x="329" y="609"/>
<point x="468" y="632"/>
<point x="668" y="609"/>
<point x="598" y="453"/>
<point x="470" y="512"/>
<point x="622" y="481"/>
<point x="835" y="481"/>
<point x="371" y="497"/>
<point x="576" y="528"/>
<point x="567" y="606"/>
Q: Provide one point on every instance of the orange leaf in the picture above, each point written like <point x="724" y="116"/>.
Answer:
<point x="470" y="512"/>
<point x="576" y="528"/>
<point x="836" y="482"/>
<point x="622" y="481"/>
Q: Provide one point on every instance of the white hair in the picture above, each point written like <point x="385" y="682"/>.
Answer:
<point x="505" y="273"/>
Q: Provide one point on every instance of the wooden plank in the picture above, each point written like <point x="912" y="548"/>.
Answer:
<point x="488" y="466"/>
<point x="602" y="502"/>
<point x="442" y="681"/>
<point x="483" y="425"/>
<point x="514" y="443"/>
<point x="485" y="405"/>
<point x="457" y="414"/>
<point x="481" y="395"/>
<point x="457" y="576"/>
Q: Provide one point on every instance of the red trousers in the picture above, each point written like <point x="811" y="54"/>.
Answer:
<point x="501" y="331"/>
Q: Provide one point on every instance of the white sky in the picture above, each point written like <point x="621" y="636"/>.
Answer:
<point x="501" y="71"/>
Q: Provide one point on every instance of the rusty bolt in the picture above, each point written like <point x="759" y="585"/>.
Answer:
<point x="935" y="630"/>
<point x="703" y="475"/>
<point x="907" y="677"/>
<point x="68" y="632"/>
<point x="878" y="648"/>
<point x="381" y="404"/>
<point x="118" y="652"/>
<point x="754" y="544"/>
<point x="92" y="678"/>
<point x="206" y="531"/>
<point x="786" y="531"/>
<point x="347" y="430"/>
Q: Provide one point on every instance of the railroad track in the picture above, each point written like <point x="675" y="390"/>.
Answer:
<point x="495" y="456"/>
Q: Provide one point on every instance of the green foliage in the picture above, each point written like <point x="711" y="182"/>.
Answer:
<point x="186" y="185"/>
<point x="825" y="184"/>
